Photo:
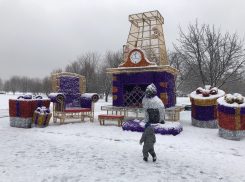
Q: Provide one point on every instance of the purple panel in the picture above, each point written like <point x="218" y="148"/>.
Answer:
<point x="226" y="110"/>
<point x="86" y="102"/>
<point x="39" y="103"/>
<point x="86" y="99"/>
<point x="204" y="113"/>
<point x="242" y="112"/>
<point x="72" y="100"/>
<point x="36" y="118"/>
<point x="46" y="118"/>
<point x="145" y="78"/>
<point x="69" y="84"/>
<point x="169" y="78"/>
<point x="17" y="108"/>
<point x="230" y="110"/>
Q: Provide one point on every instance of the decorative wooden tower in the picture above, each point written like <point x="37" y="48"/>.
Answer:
<point x="144" y="62"/>
<point x="146" y="33"/>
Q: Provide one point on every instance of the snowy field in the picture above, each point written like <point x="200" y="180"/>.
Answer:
<point x="85" y="151"/>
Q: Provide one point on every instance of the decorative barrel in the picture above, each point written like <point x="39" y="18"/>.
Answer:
<point x="204" y="108"/>
<point x="231" y="119"/>
<point x="21" y="110"/>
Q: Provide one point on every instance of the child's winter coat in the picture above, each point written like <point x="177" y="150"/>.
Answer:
<point x="149" y="138"/>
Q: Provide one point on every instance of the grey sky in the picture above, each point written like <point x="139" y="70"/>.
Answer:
<point x="37" y="36"/>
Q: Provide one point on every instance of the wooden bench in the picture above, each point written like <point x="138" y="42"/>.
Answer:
<point x="118" y="118"/>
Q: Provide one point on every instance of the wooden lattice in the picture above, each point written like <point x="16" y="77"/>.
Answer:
<point x="146" y="33"/>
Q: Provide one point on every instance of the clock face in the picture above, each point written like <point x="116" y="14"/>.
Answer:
<point x="135" y="57"/>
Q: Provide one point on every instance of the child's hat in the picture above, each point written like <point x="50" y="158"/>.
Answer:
<point x="147" y="124"/>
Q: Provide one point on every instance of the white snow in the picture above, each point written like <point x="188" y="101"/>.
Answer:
<point x="199" y="96"/>
<point x="167" y="125"/>
<point x="88" y="95"/>
<point x="85" y="151"/>
<point x="54" y="94"/>
<point x="222" y="101"/>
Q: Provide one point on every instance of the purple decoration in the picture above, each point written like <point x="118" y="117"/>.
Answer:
<point x="230" y="110"/>
<point x="54" y="97"/>
<point x="30" y="97"/>
<point x="242" y="112"/>
<point x="226" y="110"/>
<point x="43" y="110"/>
<point x="25" y="97"/>
<point x="132" y="125"/>
<point x="69" y="91"/>
<point x="87" y="98"/>
<point x="36" y="118"/>
<point x="17" y="108"/>
<point x="145" y="78"/>
<point x="204" y="113"/>
<point x="69" y="84"/>
<point x="39" y="103"/>
<point x="72" y="100"/>
<point x="46" y="118"/>
<point x="38" y="97"/>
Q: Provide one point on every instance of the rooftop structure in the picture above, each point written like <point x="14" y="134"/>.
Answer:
<point x="146" y="33"/>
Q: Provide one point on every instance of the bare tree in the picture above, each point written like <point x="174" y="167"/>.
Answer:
<point x="176" y="62"/>
<point x="111" y="60"/>
<point x="47" y="85"/>
<point x="210" y="57"/>
<point x="87" y="65"/>
<point x="6" y="86"/>
<point x="24" y="84"/>
<point x="1" y="84"/>
<point x="35" y="85"/>
<point x="14" y="83"/>
<point x="57" y="70"/>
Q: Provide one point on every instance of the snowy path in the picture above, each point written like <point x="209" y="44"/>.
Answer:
<point x="84" y="151"/>
<point x="90" y="152"/>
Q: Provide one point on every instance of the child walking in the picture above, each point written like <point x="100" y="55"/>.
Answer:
<point x="149" y="138"/>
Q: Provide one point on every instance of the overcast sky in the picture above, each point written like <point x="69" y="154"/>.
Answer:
<point x="37" y="36"/>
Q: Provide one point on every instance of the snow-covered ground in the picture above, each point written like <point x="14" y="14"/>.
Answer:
<point x="85" y="151"/>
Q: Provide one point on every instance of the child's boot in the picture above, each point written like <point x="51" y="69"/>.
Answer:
<point x="145" y="159"/>
<point x="154" y="157"/>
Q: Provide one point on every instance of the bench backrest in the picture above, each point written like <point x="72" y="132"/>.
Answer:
<point x="68" y="83"/>
<point x="71" y="85"/>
